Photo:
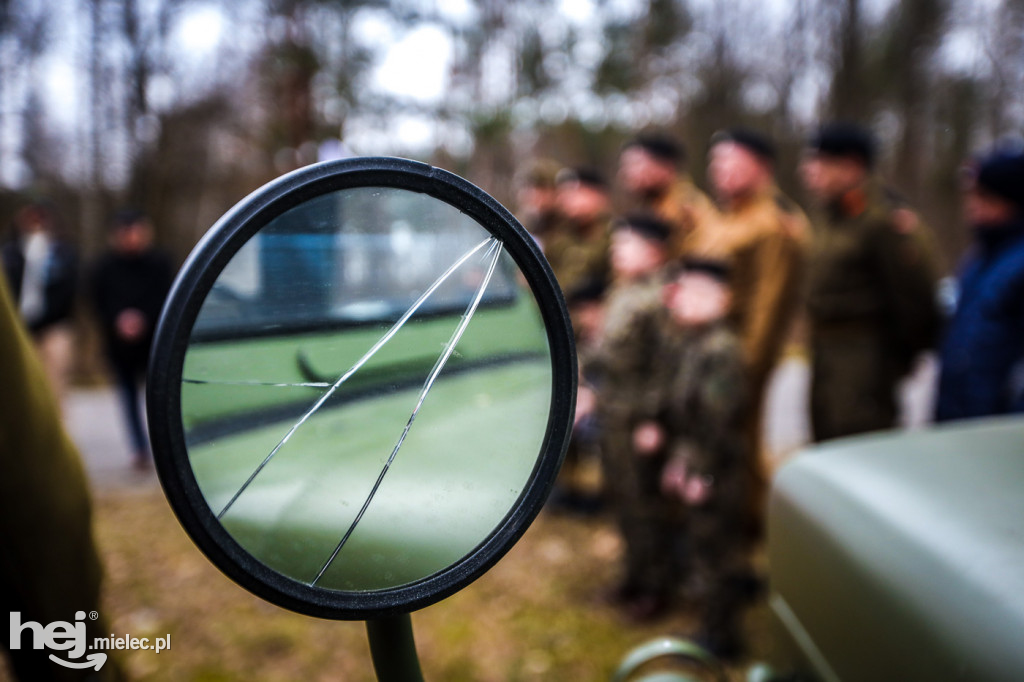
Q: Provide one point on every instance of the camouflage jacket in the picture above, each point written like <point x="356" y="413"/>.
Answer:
<point x="620" y="364"/>
<point x="702" y="395"/>
<point x="576" y="256"/>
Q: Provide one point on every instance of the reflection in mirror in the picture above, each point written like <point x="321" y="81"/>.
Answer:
<point x="366" y="389"/>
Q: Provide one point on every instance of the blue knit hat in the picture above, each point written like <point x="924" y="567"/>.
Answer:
<point x="1001" y="173"/>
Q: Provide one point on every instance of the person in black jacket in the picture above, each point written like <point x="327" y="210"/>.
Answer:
<point x="42" y="269"/>
<point x="982" y="354"/>
<point x="129" y="285"/>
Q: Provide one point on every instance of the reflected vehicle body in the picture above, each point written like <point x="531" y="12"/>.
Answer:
<point x="322" y="321"/>
<point x="901" y="557"/>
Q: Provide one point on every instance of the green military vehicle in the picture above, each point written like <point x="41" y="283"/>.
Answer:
<point x="901" y="557"/>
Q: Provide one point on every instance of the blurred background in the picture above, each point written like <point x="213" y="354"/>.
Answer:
<point x="181" y="107"/>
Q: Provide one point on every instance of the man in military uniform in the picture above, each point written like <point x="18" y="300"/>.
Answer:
<point x="578" y="247"/>
<point x="650" y="172"/>
<point x="760" y="234"/>
<point x="537" y="199"/>
<point x="870" y="295"/>
<point x="617" y="374"/>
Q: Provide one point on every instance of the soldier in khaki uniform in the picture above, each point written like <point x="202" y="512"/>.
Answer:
<point x="650" y="172"/>
<point x="703" y="401"/>
<point x="577" y="248"/>
<point x="619" y="372"/>
<point x="760" y="234"/>
<point x="870" y="293"/>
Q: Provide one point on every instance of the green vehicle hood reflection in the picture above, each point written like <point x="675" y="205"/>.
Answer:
<point x="438" y="505"/>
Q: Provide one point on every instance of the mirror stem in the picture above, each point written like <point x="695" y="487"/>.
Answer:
<point x="393" y="649"/>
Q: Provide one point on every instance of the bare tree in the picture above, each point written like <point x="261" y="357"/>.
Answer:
<point x="24" y="36"/>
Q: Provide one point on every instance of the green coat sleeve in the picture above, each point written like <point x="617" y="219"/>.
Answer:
<point x="49" y="566"/>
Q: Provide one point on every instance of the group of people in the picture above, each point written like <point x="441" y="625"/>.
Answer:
<point x="682" y="303"/>
<point x="126" y="287"/>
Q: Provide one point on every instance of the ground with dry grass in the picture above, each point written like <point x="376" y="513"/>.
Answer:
<point x="538" y="615"/>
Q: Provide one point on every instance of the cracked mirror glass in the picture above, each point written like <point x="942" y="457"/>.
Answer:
<point x="366" y="389"/>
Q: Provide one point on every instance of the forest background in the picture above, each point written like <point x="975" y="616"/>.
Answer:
<point x="182" y="107"/>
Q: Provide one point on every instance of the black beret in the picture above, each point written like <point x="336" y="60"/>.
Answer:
<point x="756" y="143"/>
<point x="589" y="177"/>
<point x="127" y="217"/>
<point x="847" y="140"/>
<point x="646" y="225"/>
<point x="1001" y="173"/>
<point x="661" y="146"/>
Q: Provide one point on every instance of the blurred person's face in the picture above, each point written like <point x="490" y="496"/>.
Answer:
<point x="634" y="256"/>
<point x="734" y="171"/>
<point x="696" y="299"/>
<point x="641" y="173"/>
<point x="983" y="209"/>
<point x="534" y="200"/>
<point x="134" y="238"/>
<point x="828" y="178"/>
<point x="32" y="220"/>
<point x="581" y="203"/>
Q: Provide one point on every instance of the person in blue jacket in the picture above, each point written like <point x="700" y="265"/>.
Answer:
<point x="982" y="355"/>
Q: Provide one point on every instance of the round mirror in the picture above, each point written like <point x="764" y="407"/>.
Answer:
<point x="361" y="388"/>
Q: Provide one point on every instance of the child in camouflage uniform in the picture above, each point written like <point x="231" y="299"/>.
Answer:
<point x="616" y="373"/>
<point x="702" y="396"/>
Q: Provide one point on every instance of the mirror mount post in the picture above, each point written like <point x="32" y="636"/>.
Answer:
<point x="393" y="649"/>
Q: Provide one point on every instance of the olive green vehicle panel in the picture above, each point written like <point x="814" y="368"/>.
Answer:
<point x="296" y="512"/>
<point x="901" y="557"/>
<point x="496" y="332"/>
<point x="459" y="471"/>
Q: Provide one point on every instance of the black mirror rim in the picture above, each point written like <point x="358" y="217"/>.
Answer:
<point x="194" y="282"/>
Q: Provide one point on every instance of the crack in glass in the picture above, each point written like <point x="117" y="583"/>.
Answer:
<point x="495" y="249"/>
<point x="493" y="244"/>
<point x="271" y="384"/>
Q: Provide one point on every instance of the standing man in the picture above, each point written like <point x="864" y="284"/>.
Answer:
<point x="578" y="247"/>
<point x="42" y="270"/>
<point x="537" y="199"/>
<point x="651" y="173"/>
<point x="129" y="285"/>
<point x="982" y="356"/>
<point x="870" y="294"/>
<point x="759" y="232"/>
